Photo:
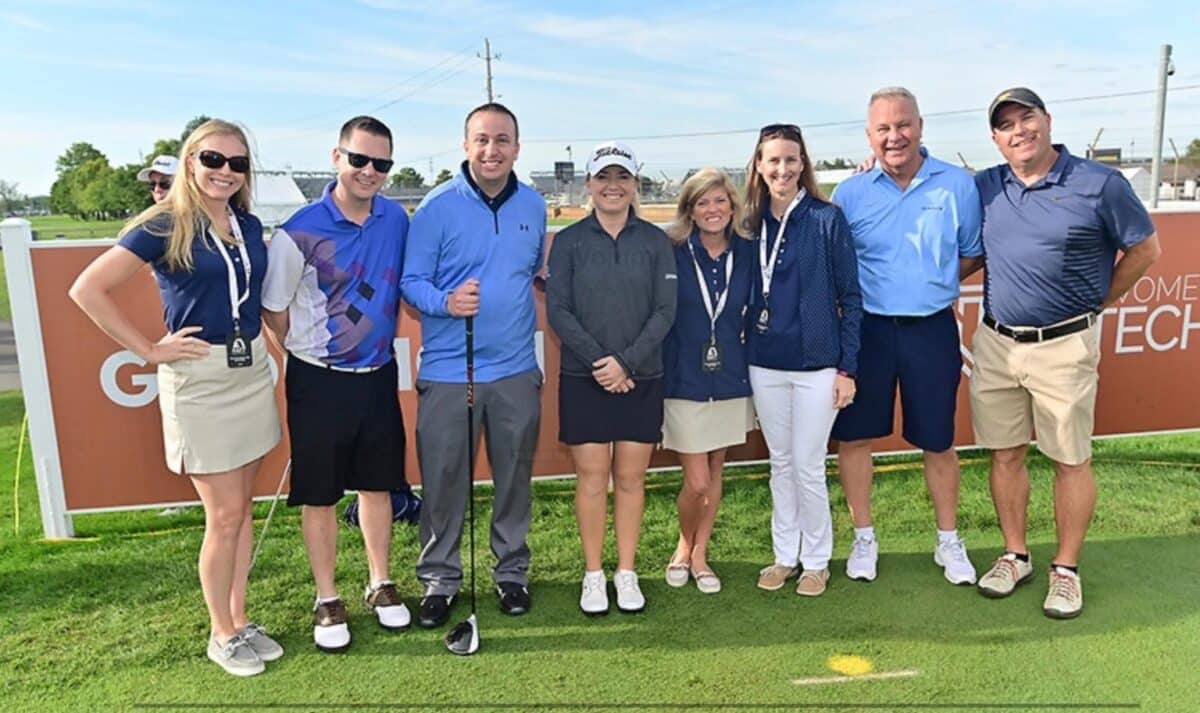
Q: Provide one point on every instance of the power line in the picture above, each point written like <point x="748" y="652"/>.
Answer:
<point x="844" y="123"/>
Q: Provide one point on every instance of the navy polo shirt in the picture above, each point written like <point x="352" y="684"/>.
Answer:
<point x="1050" y="247"/>
<point x="200" y="297"/>
<point x="815" y="303"/>
<point x="684" y="345"/>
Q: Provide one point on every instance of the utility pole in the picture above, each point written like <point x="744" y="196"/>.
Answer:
<point x="966" y="165"/>
<point x="1165" y="69"/>
<point x="487" y="58"/>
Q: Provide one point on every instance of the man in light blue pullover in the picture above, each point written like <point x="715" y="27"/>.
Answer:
<point x="475" y="244"/>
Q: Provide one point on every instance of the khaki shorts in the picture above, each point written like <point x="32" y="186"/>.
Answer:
<point x="1050" y="387"/>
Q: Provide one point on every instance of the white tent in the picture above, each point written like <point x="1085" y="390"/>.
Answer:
<point x="1139" y="178"/>
<point x="276" y="197"/>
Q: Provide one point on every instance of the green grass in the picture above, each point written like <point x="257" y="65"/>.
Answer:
<point x="49" y="227"/>
<point x="115" y="619"/>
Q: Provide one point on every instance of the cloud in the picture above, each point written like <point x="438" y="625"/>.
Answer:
<point x="25" y="21"/>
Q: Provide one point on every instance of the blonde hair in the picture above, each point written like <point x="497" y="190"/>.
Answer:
<point x="183" y="212"/>
<point x="757" y="193"/>
<point x="696" y="186"/>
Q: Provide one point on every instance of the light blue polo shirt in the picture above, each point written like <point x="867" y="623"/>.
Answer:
<point x="1051" y="246"/>
<point x="909" y="241"/>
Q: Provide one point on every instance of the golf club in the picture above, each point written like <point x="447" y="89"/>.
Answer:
<point x="463" y="639"/>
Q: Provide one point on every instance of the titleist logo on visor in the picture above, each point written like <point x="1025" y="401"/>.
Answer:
<point x="613" y="151"/>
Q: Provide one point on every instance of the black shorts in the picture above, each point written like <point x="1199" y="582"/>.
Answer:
<point x="346" y="430"/>
<point x="589" y="414"/>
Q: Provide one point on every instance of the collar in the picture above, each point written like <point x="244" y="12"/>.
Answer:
<point x="510" y="187"/>
<point x="929" y="167"/>
<point x="336" y="213"/>
<point x="594" y="223"/>
<point x="798" y="211"/>
<point x="702" y="252"/>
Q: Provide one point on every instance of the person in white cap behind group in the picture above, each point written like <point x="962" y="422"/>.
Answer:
<point x="159" y="174"/>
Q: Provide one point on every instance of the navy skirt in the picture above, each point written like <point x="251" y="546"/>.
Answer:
<point x="589" y="414"/>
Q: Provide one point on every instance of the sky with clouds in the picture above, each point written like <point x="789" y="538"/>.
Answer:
<point x="686" y="84"/>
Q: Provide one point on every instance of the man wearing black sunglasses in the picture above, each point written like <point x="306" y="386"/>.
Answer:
<point x="332" y="294"/>
<point x="476" y="244"/>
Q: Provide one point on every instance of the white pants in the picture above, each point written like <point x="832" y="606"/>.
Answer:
<point x="795" y="409"/>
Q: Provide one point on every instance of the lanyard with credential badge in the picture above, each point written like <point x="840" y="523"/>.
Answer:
<point x="710" y="358"/>
<point x="767" y="267"/>
<point x="237" y="348"/>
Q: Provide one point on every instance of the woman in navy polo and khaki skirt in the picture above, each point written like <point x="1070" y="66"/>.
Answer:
<point x="215" y="393"/>
<point x="803" y="338"/>
<point x="610" y="296"/>
<point x="707" y="407"/>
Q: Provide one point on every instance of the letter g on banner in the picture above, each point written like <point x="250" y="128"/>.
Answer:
<point x="147" y="384"/>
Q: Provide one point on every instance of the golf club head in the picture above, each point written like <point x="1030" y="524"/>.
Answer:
<point x="463" y="639"/>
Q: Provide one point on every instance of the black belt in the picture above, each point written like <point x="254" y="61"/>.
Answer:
<point x="1041" y="334"/>
<point x="907" y="319"/>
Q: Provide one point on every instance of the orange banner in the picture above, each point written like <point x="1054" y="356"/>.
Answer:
<point x="110" y="438"/>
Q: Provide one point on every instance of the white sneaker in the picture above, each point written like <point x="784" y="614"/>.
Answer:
<point x="952" y="557"/>
<point x="629" y="594"/>
<point x="594" y="597"/>
<point x="389" y="609"/>
<point x="864" y="555"/>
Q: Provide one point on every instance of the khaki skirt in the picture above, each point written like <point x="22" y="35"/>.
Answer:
<point x="216" y="419"/>
<point x="703" y="426"/>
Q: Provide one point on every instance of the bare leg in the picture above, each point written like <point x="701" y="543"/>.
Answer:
<point x="629" y="478"/>
<point x="375" y="514"/>
<point x="245" y="546"/>
<point x="942" y="477"/>
<point x="225" y="513"/>
<point x="691" y="503"/>
<point x="319" y="525"/>
<point x="712" y="501"/>
<point x="856" y="470"/>
<point x="593" y="461"/>
<point x="1074" y="502"/>
<point x="1010" y="494"/>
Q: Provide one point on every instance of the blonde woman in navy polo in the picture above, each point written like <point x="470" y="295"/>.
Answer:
<point x="218" y="404"/>
<point x="707" y="407"/>
<point x="803" y="335"/>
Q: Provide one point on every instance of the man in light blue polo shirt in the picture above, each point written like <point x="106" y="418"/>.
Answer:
<point x="1053" y="226"/>
<point x="475" y="246"/>
<point x="915" y="222"/>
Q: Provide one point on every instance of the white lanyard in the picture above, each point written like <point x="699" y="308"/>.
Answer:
<point x="767" y="267"/>
<point x="236" y="299"/>
<point x="713" y="314"/>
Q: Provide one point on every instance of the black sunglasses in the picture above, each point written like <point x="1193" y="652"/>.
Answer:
<point x="216" y="159"/>
<point x="358" y="160"/>
<point x="790" y="131"/>
<point x="165" y="185"/>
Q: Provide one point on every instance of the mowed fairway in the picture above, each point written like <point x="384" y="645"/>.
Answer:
<point x="115" y="620"/>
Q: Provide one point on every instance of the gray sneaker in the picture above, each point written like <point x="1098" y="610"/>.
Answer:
<point x="268" y="649"/>
<point x="235" y="656"/>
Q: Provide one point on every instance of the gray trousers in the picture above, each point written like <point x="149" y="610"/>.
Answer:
<point x="508" y="411"/>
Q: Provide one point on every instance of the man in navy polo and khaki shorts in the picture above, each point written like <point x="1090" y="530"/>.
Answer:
<point x="332" y="294"/>
<point x="915" y="223"/>
<point x="1052" y="227"/>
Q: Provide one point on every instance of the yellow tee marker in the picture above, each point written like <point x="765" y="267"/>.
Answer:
<point x="850" y="665"/>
